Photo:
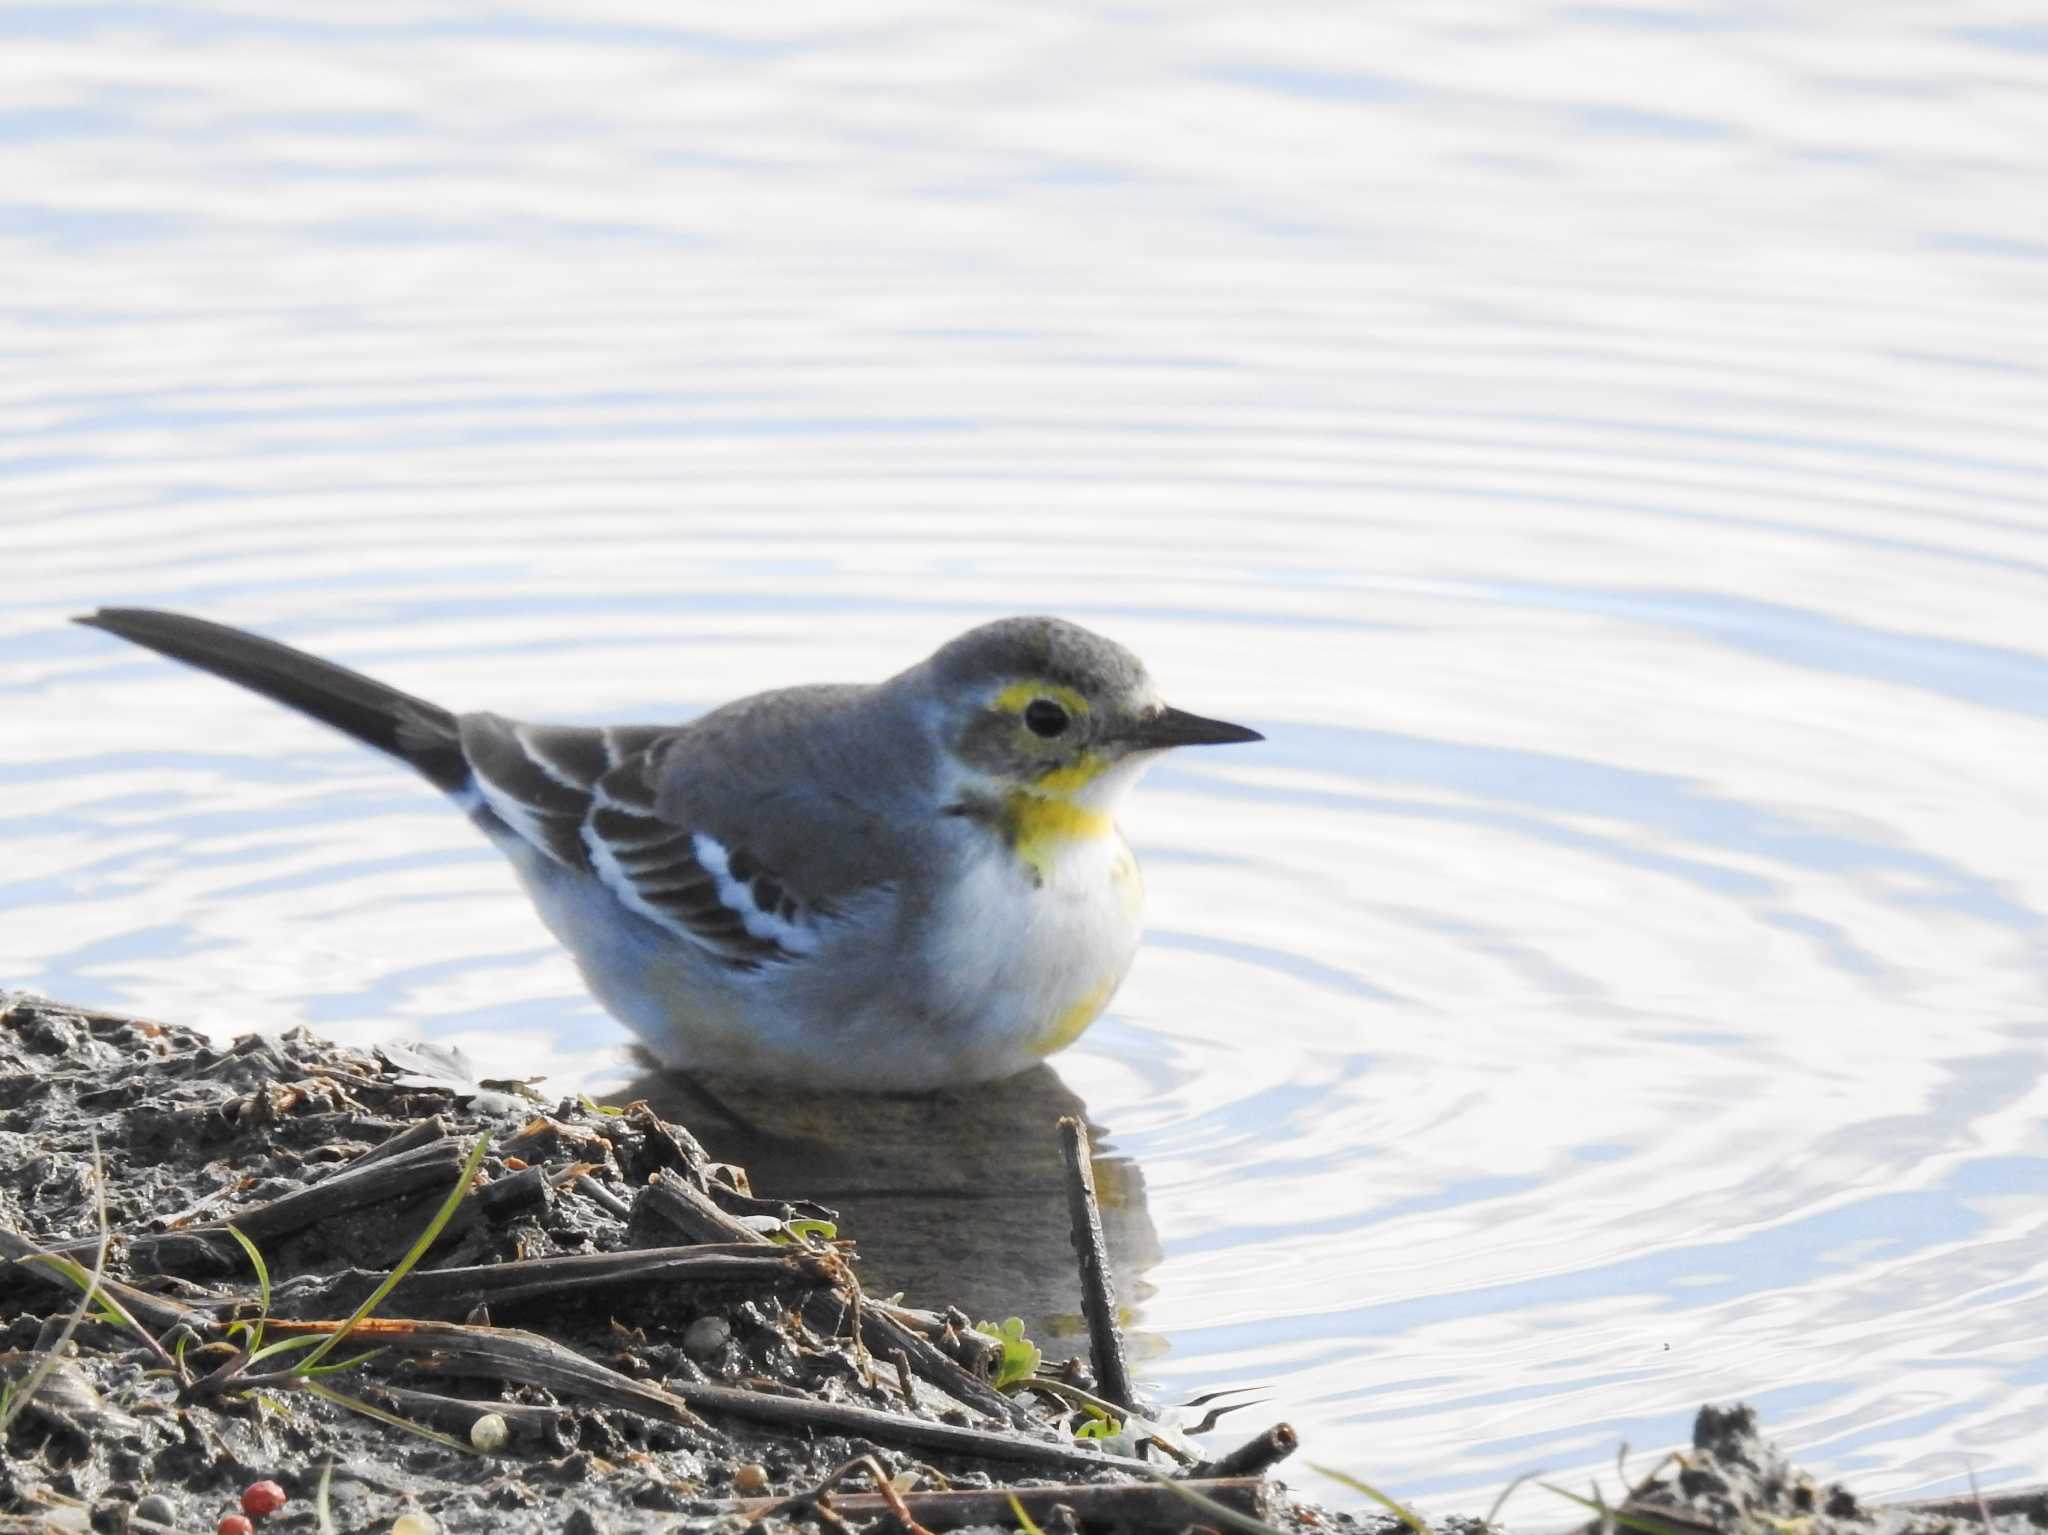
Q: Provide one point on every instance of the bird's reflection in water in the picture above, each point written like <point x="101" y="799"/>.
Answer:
<point x="955" y="1198"/>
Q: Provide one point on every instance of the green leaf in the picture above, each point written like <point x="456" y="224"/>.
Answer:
<point x="419" y="1250"/>
<point x="1020" y="1358"/>
<point x="595" y="1107"/>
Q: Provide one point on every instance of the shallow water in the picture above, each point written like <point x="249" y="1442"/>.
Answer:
<point x="1599" y="445"/>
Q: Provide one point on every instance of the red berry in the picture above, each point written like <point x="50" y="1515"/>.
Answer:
<point x="260" y="1498"/>
<point x="234" y="1524"/>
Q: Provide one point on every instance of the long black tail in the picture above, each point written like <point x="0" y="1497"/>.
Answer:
<point x="410" y="729"/>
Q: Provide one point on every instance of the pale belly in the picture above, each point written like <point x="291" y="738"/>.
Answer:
<point x="1023" y="966"/>
<point x="1015" y="968"/>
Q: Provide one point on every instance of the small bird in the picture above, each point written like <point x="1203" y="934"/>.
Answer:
<point x="892" y="886"/>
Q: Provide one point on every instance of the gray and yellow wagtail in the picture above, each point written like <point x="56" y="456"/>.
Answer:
<point x="897" y="885"/>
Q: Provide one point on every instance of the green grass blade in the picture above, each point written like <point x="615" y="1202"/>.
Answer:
<point x="1644" y="1524"/>
<point x="111" y="1310"/>
<point x="419" y="1250"/>
<point x="346" y="1364"/>
<point x="323" y="1511"/>
<point x="262" y="1279"/>
<point x="285" y="1346"/>
<point x="1406" y="1515"/>
<point x="357" y="1404"/>
<point x="1507" y="1492"/>
<point x="82" y="1277"/>
<point x="20" y="1394"/>
<point x="1024" y="1521"/>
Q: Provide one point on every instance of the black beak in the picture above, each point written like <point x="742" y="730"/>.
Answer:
<point x="1177" y="727"/>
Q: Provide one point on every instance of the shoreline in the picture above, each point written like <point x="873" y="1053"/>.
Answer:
<point x="661" y="1346"/>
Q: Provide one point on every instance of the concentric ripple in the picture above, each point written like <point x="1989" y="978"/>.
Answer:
<point x="1599" y="445"/>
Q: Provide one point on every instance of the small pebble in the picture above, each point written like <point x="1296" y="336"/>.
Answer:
<point x="234" y="1524"/>
<point x="415" y="1524"/>
<point x="703" y="1338"/>
<point x="750" y="1479"/>
<point x="260" y="1498"/>
<point x="156" y="1508"/>
<point x="490" y="1432"/>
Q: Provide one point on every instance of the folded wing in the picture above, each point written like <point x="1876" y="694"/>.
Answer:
<point x="586" y="799"/>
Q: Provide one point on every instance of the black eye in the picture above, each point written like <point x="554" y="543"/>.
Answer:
<point x="1043" y="717"/>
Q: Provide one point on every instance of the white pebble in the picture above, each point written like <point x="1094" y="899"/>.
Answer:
<point x="415" y="1524"/>
<point x="490" y="1432"/>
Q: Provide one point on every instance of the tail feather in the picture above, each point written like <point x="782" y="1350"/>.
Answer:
<point x="410" y="729"/>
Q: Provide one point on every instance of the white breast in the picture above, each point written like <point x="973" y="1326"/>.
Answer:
<point x="1021" y="966"/>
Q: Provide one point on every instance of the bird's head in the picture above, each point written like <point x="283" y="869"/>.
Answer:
<point x="1043" y="707"/>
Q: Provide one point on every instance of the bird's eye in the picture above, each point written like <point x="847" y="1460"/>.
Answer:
<point x="1043" y="717"/>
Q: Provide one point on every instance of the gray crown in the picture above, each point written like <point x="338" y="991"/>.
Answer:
<point x="1037" y="647"/>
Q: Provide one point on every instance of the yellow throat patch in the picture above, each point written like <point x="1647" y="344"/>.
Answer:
<point x="1038" y="827"/>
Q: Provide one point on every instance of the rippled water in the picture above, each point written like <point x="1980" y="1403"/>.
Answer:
<point x="1600" y="445"/>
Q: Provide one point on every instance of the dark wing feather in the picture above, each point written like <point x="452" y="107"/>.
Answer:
<point x="586" y="799"/>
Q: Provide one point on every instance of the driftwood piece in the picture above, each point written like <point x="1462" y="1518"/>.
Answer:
<point x="1254" y="1456"/>
<point x="1098" y="1287"/>
<point x="548" y="1428"/>
<point x="883" y="1333"/>
<point x="815" y="1501"/>
<point x="453" y="1292"/>
<point x="433" y="1165"/>
<point x="507" y="1354"/>
<point x="673" y="1202"/>
<point x="423" y="1133"/>
<point x="954" y="1335"/>
<point x="602" y="1197"/>
<point x="156" y="1311"/>
<point x="355" y="1187"/>
<point x="518" y="1193"/>
<point x="1125" y="1504"/>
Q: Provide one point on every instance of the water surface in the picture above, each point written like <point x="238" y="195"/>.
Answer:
<point x="1599" y="445"/>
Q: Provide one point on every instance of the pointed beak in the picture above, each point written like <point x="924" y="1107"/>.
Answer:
<point x="1177" y="727"/>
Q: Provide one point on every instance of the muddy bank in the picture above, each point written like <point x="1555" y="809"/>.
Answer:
<point x="650" y="1341"/>
<point x="659" y="1344"/>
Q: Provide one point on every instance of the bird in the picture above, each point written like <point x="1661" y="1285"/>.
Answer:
<point x="902" y="886"/>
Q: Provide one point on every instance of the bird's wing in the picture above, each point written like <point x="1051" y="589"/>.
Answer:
<point x="725" y="869"/>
